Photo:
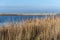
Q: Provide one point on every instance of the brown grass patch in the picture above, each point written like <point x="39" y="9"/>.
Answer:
<point x="32" y="29"/>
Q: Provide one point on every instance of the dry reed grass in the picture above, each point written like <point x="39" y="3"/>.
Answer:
<point x="32" y="29"/>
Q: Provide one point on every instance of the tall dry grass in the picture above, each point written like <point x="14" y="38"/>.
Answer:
<point x="32" y="29"/>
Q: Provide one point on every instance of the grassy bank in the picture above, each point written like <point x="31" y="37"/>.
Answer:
<point x="32" y="29"/>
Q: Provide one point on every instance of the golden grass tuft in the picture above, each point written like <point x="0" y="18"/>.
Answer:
<point x="32" y="29"/>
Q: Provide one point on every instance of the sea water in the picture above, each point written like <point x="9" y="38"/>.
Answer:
<point x="4" y="19"/>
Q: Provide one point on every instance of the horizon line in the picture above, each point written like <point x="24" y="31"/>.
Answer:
<point x="26" y="14"/>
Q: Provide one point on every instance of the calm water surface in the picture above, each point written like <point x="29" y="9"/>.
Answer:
<point x="4" y="19"/>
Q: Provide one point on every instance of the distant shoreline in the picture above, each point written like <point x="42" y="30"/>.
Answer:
<point x="26" y="14"/>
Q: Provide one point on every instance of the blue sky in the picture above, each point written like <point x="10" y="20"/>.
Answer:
<point x="24" y="5"/>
